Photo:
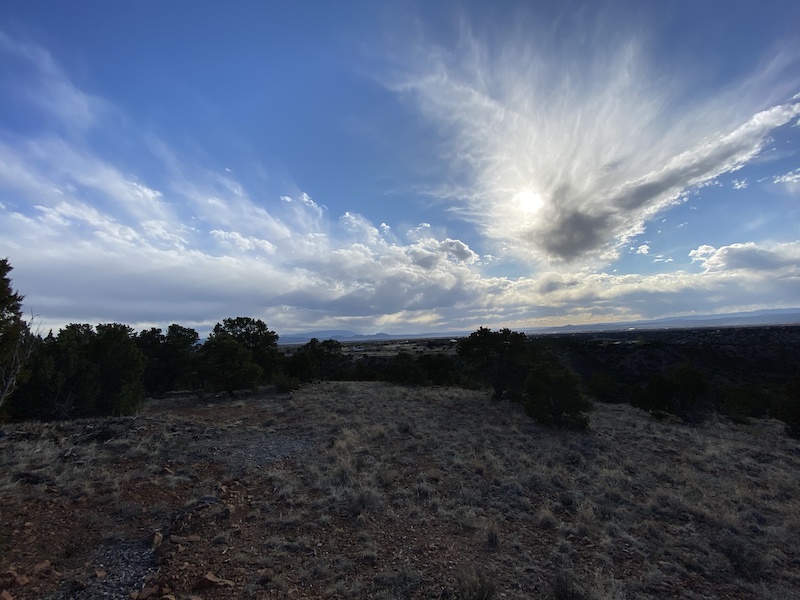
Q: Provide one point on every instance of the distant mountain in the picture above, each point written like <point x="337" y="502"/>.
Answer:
<point x="780" y="316"/>
<point x="329" y="334"/>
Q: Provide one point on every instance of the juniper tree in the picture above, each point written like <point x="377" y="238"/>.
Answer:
<point x="15" y="336"/>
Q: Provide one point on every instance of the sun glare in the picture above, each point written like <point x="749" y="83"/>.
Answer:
<point x="528" y="201"/>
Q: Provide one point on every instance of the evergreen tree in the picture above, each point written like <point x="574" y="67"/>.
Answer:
<point x="553" y="395"/>
<point x="498" y="358"/>
<point x="256" y="337"/>
<point x="226" y="365"/>
<point x="119" y="365"/>
<point x="15" y="336"/>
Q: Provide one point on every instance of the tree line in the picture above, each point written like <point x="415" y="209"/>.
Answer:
<point x="109" y="369"/>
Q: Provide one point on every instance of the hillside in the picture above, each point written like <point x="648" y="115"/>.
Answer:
<point x="371" y="490"/>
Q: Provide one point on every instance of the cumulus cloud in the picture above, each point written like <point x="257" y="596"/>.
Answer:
<point x="749" y="256"/>
<point x="563" y="147"/>
<point x="643" y="249"/>
<point x="241" y="242"/>
<point x="91" y="241"/>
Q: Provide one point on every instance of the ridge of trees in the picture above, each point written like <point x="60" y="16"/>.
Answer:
<point x="108" y="369"/>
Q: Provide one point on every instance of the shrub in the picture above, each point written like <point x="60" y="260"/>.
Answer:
<point x="788" y="408"/>
<point x="497" y="358"/>
<point x="741" y="402"/>
<point x="681" y="390"/>
<point x="474" y="584"/>
<point x="553" y="395"/>
<point x="285" y="383"/>
<point x="604" y="388"/>
<point x="228" y="366"/>
<point x="565" y="588"/>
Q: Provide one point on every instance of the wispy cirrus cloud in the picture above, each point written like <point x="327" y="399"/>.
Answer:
<point x="41" y="84"/>
<point x="790" y="180"/>
<point x="563" y="145"/>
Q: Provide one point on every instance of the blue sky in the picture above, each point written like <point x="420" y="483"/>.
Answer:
<point x="400" y="166"/>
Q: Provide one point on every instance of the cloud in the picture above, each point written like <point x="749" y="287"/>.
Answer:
<point x="90" y="239"/>
<point x="791" y="180"/>
<point x="749" y="256"/>
<point x="562" y="146"/>
<point x="740" y="184"/>
<point x="244" y="243"/>
<point x="94" y="237"/>
<point x="43" y="86"/>
<point x="790" y="177"/>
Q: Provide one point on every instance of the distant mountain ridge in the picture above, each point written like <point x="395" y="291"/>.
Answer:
<point x="341" y="335"/>
<point x="779" y="316"/>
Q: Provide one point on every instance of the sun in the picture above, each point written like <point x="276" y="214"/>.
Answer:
<point x="528" y="201"/>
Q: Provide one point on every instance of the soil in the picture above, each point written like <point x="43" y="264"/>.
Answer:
<point x="365" y="490"/>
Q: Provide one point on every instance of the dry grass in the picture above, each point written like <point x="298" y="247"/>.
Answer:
<point x="370" y="490"/>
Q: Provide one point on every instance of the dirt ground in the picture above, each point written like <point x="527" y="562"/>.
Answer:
<point x="367" y="490"/>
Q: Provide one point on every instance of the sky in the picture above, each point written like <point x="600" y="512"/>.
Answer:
<point x="399" y="167"/>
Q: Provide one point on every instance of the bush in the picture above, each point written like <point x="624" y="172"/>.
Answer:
<point x="604" y="388"/>
<point x="681" y="390"/>
<point x="474" y="584"/>
<point x="788" y="408"/>
<point x="565" y="588"/>
<point x="228" y="366"/>
<point x="285" y="383"/>
<point x="741" y="402"/>
<point x="497" y="358"/>
<point x="553" y="395"/>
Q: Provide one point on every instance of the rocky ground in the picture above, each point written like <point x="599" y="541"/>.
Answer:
<point x="366" y="490"/>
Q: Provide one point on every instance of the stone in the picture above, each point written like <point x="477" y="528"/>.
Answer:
<point x="42" y="567"/>
<point x="157" y="538"/>
<point x="209" y="580"/>
<point x="7" y="578"/>
<point x="148" y="592"/>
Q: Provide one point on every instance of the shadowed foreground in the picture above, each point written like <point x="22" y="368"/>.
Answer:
<point x="371" y="490"/>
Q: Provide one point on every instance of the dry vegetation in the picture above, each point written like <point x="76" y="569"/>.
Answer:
<point x="367" y="490"/>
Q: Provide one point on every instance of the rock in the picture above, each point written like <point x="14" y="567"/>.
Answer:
<point x="7" y="578"/>
<point x="209" y="580"/>
<point x="100" y="574"/>
<point x="42" y="567"/>
<point x="11" y="578"/>
<point x="148" y="592"/>
<point x="157" y="538"/>
<point x="6" y="595"/>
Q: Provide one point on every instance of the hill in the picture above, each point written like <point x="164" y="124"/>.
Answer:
<point x="371" y="490"/>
